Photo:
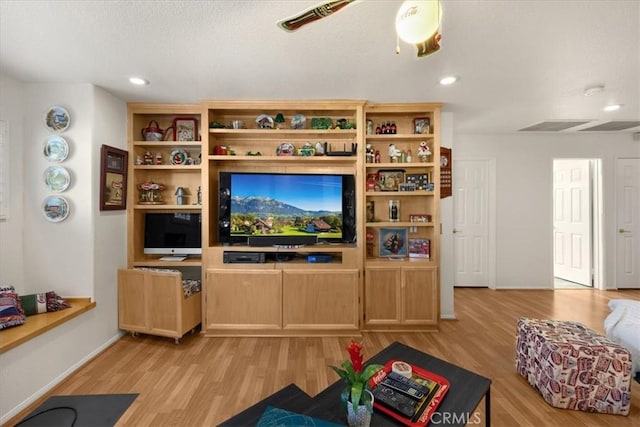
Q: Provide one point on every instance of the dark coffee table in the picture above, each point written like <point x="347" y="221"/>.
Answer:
<point x="456" y="409"/>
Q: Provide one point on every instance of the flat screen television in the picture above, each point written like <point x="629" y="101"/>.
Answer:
<point x="177" y="233"/>
<point x="286" y="207"/>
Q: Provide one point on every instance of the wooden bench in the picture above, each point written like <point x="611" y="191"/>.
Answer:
<point x="40" y="323"/>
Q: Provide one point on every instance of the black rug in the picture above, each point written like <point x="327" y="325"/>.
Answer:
<point x="94" y="410"/>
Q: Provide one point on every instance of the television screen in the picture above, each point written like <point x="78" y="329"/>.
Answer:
<point x="177" y="233"/>
<point x="272" y="204"/>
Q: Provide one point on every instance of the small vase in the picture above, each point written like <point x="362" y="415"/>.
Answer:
<point x="360" y="416"/>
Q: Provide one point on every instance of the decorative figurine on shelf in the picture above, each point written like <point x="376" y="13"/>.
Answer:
<point x="394" y="153"/>
<point x="409" y="157"/>
<point x="158" y="158"/>
<point x="279" y="120"/>
<point x="199" y="196"/>
<point x="150" y="193"/>
<point x="424" y="153"/>
<point x="286" y="149"/>
<point x="306" y="150"/>
<point x="148" y="158"/>
<point x="139" y="160"/>
<point x="370" y="155"/>
<point x="319" y="149"/>
<point x="181" y="195"/>
<point x="377" y="158"/>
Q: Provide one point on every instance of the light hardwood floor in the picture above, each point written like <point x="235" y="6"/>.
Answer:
<point x="204" y="381"/>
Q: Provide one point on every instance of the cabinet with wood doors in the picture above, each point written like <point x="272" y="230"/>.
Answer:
<point x="285" y="293"/>
<point x="163" y="158"/>
<point x="402" y="216"/>
<point x="401" y="298"/>
<point x="155" y="303"/>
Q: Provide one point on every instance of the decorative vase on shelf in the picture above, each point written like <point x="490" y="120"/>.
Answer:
<point x="359" y="416"/>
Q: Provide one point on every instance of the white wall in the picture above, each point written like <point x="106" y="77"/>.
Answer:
<point x="76" y="257"/>
<point x="524" y="201"/>
<point x="11" y="247"/>
<point x="446" y="238"/>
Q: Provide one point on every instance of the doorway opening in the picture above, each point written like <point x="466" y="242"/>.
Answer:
<point x="577" y="223"/>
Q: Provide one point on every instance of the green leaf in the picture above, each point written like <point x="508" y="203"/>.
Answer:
<point x="370" y="371"/>
<point x="356" y="392"/>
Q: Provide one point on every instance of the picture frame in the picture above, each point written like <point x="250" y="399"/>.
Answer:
<point x="419" y="248"/>
<point x="390" y="180"/>
<point x="113" y="178"/>
<point x="422" y="125"/>
<point x="185" y="129"/>
<point x="393" y="242"/>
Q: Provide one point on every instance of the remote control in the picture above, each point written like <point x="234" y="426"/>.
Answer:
<point x="405" y="385"/>
<point x="395" y="400"/>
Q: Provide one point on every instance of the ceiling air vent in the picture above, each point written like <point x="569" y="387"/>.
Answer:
<point x="553" y="126"/>
<point x="612" y="126"/>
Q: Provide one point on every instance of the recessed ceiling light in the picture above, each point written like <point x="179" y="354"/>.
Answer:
<point x="449" y="80"/>
<point x="592" y="90"/>
<point x="138" y="81"/>
<point x="612" y="107"/>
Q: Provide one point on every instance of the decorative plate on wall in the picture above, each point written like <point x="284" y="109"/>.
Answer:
<point x="57" y="119"/>
<point x="55" y="208"/>
<point x="57" y="178"/>
<point x="56" y="149"/>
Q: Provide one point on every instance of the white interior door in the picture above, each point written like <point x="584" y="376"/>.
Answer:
<point x="572" y="220"/>
<point x="628" y="223"/>
<point x="471" y="222"/>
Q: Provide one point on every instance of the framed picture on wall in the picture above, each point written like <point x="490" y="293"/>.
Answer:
<point x="113" y="178"/>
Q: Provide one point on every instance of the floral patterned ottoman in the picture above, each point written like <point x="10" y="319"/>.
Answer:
<point x="573" y="367"/>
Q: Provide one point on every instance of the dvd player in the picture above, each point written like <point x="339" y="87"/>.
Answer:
<point x="243" y="257"/>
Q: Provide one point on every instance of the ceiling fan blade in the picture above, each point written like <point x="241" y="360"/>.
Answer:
<point x="313" y="14"/>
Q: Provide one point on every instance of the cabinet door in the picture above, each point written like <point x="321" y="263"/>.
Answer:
<point x="164" y="303"/>
<point x="420" y="295"/>
<point x="382" y="296"/>
<point x="132" y="296"/>
<point x="320" y="299"/>
<point x="243" y="299"/>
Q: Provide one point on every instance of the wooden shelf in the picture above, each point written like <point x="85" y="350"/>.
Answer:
<point x="321" y="159"/>
<point x="398" y="165"/>
<point x="402" y="136"/>
<point x="167" y="144"/>
<point x="168" y="207"/>
<point x="399" y="224"/>
<point x="176" y="168"/>
<point x="399" y="193"/>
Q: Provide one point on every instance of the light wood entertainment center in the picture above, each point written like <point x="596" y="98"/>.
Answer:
<point x="367" y="285"/>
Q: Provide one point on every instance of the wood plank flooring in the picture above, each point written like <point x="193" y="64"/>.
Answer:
<point x="204" y="381"/>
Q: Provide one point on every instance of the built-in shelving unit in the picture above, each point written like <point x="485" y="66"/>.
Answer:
<point x="402" y="223"/>
<point x="374" y="282"/>
<point x="162" y="170"/>
<point x="285" y="295"/>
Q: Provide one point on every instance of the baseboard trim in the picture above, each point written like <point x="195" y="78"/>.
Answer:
<point x="57" y="380"/>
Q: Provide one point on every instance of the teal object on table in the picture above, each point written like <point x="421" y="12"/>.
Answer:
<point x="273" y="417"/>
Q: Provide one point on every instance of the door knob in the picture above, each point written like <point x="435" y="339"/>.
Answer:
<point x="622" y="230"/>
<point x="455" y="231"/>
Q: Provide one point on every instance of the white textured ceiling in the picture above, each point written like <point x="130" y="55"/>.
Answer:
<point x="520" y="62"/>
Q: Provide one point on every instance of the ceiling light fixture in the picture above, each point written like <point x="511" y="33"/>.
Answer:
<point x="612" y="107"/>
<point x="449" y="80"/>
<point x="138" y="81"/>
<point x="592" y="90"/>
<point x="418" y="23"/>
